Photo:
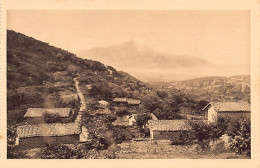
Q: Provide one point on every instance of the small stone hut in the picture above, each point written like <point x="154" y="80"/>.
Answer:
<point x="231" y="110"/>
<point x="36" y="115"/>
<point x="40" y="135"/>
<point x="167" y="129"/>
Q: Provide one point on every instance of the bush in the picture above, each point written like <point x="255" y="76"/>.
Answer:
<point x="185" y="138"/>
<point x="241" y="137"/>
<point x="142" y="119"/>
<point x="52" y="118"/>
<point x="61" y="152"/>
<point x="238" y="131"/>
<point x="122" y="133"/>
<point x="122" y="111"/>
<point x="202" y="134"/>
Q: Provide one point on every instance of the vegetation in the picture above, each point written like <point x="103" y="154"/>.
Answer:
<point x="234" y="88"/>
<point x="52" y="118"/>
<point x="142" y="119"/>
<point x="239" y="132"/>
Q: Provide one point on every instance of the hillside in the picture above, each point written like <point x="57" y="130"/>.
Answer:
<point x="40" y="75"/>
<point x="142" y="61"/>
<point x="234" y="88"/>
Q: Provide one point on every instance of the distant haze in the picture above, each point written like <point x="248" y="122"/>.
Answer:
<point x="150" y="45"/>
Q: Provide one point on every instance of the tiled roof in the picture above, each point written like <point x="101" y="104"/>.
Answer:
<point x="133" y="101"/>
<point x="38" y="112"/>
<point x="127" y="100"/>
<point x="168" y="125"/>
<point x="230" y="106"/>
<point x="103" y="102"/>
<point x="124" y="100"/>
<point x="26" y="131"/>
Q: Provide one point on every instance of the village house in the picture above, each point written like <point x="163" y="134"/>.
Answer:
<point x="126" y="101"/>
<point x="36" y="115"/>
<point x="125" y="120"/>
<point x="231" y="110"/>
<point x="103" y="103"/>
<point x="129" y="120"/>
<point x="167" y="129"/>
<point x="40" y="135"/>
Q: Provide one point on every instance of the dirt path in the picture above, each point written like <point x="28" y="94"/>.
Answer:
<point x="82" y="101"/>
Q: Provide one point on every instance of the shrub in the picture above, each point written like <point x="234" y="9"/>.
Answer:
<point x="122" y="133"/>
<point x="185" y="138"/>
<point x="122" y="111"/>
<point x="52" y="118"/>
<point x="142" y="119"/>
<point x="201" y="133"/>
<point x="241" y="137"/>
<point x="61" y="152"/>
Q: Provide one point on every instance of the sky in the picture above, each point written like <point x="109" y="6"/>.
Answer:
<point x="218" y="37"/>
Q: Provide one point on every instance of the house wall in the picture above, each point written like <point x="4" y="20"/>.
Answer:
<point x="40" y="142"/>
<point x="166" y="135"/>
<point x="235" y="116"/>
<point x="212" y="114"/>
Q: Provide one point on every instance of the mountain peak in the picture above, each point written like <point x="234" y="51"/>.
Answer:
<point x="131" y="43"/>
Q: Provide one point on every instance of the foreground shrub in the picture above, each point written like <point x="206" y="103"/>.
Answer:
<point x="201" y="133"/>
<point x="61" y="152"/>
<point x="241" y="137"/>
<point x="185" y="138"/>
<point x="122" y="133"/>
<point x="238" y="134"/>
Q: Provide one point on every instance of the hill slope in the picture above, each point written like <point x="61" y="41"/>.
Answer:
<point x="234" y="88"/>
<point x="40" y="75"/>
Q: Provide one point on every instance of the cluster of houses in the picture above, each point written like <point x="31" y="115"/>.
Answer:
<point x="37" y="133"/>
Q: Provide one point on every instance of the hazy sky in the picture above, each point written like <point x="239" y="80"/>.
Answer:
<point x="219" y="37"/>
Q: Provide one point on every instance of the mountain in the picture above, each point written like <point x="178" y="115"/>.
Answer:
<point x="143" y="61"/>
<point x="233" y="88"/>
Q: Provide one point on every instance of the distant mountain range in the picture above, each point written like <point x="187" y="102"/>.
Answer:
<point x="144" y="62"/>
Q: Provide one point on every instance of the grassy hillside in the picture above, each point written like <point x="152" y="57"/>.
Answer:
<point x="234" y="88"/>
<point x="40" y="75"/>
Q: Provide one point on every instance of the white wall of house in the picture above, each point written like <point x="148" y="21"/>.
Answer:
<point x="212" y="115"/>
<point x="132" y="120"/>
<point x="83" y="137"/>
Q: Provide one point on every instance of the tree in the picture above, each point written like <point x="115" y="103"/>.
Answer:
<point x="122" y="111"/>
<point x="142" y="119"/>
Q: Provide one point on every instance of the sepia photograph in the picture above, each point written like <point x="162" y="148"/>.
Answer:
<point x="128" y="84"/>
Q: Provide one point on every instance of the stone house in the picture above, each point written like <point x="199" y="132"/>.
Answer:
<point x="167" y="129"/>
<point x="126" y="101"/>
<point x="40" y="135"/>
<point x="36" y="115"/>
<point x="123" y="120"/>
<point x="231" y="110"/>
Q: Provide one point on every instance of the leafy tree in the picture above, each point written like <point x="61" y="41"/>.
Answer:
<point x="142" y="119"/>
